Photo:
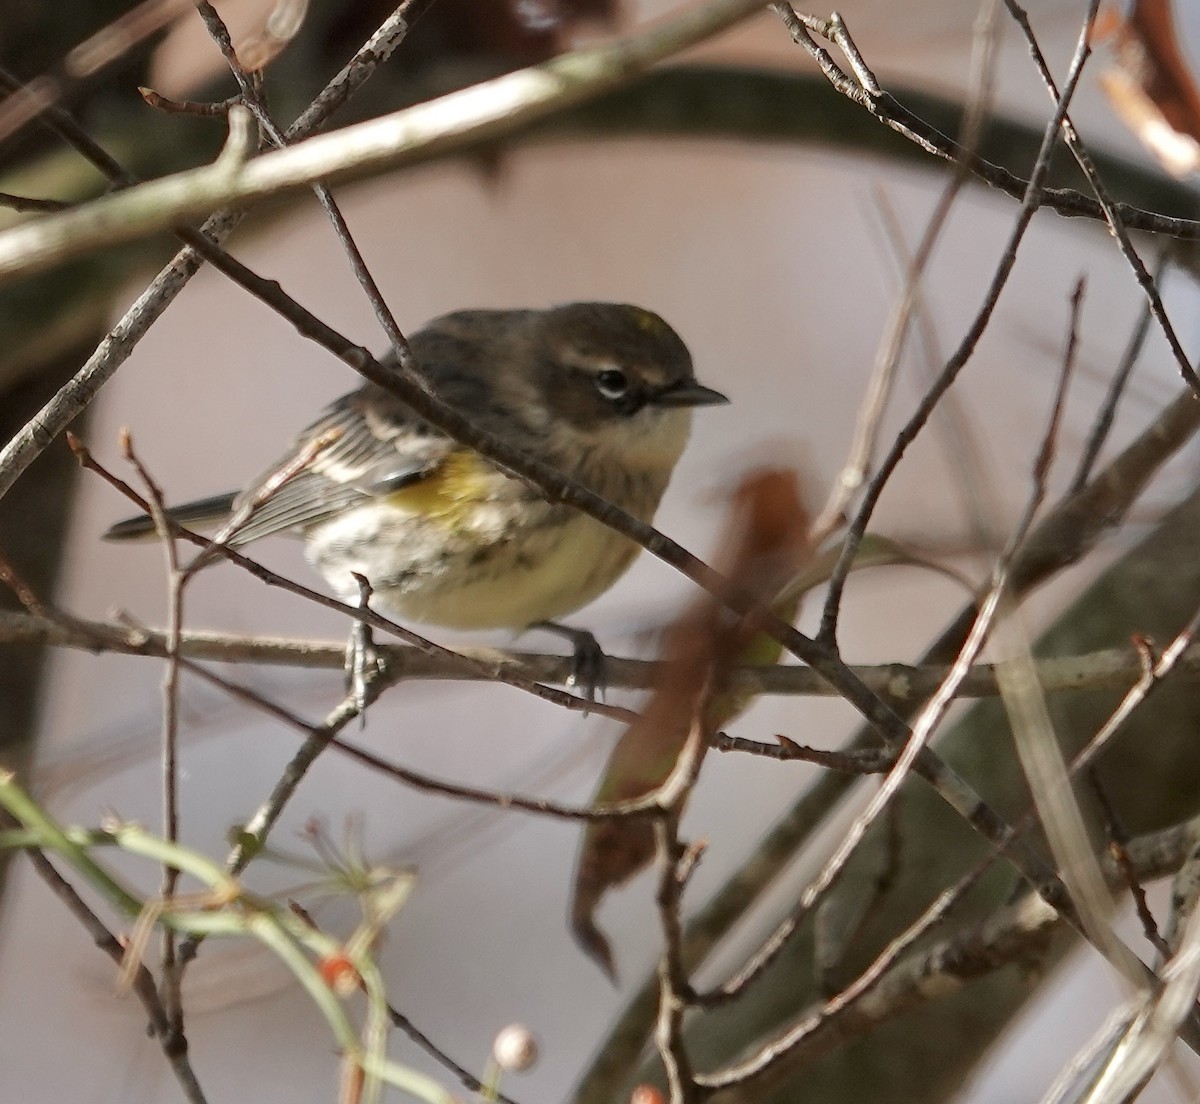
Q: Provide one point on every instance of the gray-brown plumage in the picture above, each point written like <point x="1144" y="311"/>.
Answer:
<point x="602" y="392"/>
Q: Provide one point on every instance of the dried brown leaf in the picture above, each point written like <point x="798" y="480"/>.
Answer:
<point x="766" y="543"/>
<point x="1151" y="86"/>
<point x="266" y="42"/>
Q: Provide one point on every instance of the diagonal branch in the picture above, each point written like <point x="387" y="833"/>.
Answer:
<point x="113" y="351"/>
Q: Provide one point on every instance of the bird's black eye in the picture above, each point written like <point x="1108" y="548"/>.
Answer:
<point x="612" y="384"/>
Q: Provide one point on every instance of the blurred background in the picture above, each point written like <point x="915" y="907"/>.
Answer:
<point x="778" y="257"/>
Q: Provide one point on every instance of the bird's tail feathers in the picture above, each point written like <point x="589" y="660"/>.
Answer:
<point x="205" y="513"/>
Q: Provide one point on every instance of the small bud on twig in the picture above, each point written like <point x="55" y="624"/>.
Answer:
<point x="515" y="1049"/>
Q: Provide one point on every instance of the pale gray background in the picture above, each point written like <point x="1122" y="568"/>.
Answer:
<point x="773" y="266"/>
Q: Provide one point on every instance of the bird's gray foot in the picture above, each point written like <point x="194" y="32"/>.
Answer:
<point x="587" y="662"/>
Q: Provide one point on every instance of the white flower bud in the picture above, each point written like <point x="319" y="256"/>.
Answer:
<point x="515" y="1049"/>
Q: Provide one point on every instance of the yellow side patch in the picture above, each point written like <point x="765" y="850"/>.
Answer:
<point x="449" y="494"/>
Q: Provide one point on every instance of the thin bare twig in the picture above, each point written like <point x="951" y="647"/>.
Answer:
<point x="865" y="91"/>
<point x="252" y="98"/>
<point x="26" y="203"/>
<point x="835" y="1011"/>
<point x="675" y="862"/>
<point x="324" y="735"/>
<point x="173" y="1044"/>
<point x="961" y="356"/>
<point x="206" y="110"/>
<point x="469" y="1081"/>
<point x="1118" y="838"/>
<point x="930" y="716"/>
<point x="1153" y="674"/>
<point x="1108" y="668"/>
<point x="1108" y="205"/>
<point x="867" y="761"/>
<point x="891" y="346"/>
<point x="895" y="986"/>
<point x="485" y="110"/>
<point x="1024" y="702"/>
<point x="172" y="976"/>
<point x="896" y="982"/>
<point x="923" y="729"/>
<point x="1102" y="426"/>
<point x="669" y="855"/>
<point x="74" y="396"/>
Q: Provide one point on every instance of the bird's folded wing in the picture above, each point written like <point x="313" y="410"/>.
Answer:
<point x="362" y="447"/>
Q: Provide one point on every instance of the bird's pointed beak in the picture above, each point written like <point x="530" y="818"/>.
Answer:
<point x="689" y="393"/>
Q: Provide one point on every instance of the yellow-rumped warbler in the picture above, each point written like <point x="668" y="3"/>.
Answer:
<point x="600" y="391"/>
